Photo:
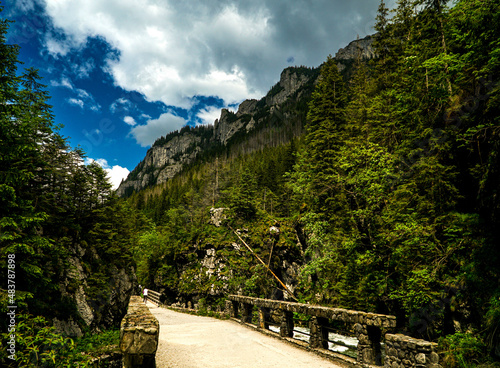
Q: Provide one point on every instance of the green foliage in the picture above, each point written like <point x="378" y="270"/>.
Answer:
<point x="54" y="210"/>
<point x="94" y="344"/>
<point x="38" y="345"/>
<point x="463" y="350"/>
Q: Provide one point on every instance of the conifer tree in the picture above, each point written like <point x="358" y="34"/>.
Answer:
<point x="326" y="126"/>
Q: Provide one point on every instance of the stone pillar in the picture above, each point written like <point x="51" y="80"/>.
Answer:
<point x="319" y="334"/>
<point x="369" y="350"/>
<point x="235" y="309"/>
<point x="263" y="315"/>
<point x="139" y="333"/>
<point x="246" y="313"/>
<point x="286" y="327"/>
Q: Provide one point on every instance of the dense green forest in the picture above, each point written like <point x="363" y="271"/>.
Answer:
<point x="387" y="200"/>
<point x="388" y="203"/>
<point x="65" y="237"/>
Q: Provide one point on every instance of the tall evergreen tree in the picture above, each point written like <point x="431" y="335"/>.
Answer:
<point x="326" y="128"/>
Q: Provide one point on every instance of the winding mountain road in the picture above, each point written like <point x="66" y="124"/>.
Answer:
<point x="188" y="341"/>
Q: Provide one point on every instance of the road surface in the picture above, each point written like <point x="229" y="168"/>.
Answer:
<point x="188" y="341"/>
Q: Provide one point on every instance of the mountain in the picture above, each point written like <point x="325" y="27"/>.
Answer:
<point x="273" y="120"/>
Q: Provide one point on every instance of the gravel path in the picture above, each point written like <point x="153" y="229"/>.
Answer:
<point x="188" y="341"/>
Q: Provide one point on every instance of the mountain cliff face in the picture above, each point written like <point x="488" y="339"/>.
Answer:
<point x="282" y="110"/>
<point x="361" y="48"/>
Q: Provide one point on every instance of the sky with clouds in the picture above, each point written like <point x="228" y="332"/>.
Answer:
<point x="122" y="73"/>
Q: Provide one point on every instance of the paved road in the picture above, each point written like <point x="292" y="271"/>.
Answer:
<point x="188" y="341"/>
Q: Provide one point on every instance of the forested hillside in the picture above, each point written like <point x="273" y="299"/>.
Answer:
<point x="65" y="238"/>
<point x="374" y="187"/>
<point x="388" y="202"/>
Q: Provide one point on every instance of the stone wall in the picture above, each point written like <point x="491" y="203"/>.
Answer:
<point x="139" y="333"/>
<point x="367" y="326"/>
<point x="403" y="351"/>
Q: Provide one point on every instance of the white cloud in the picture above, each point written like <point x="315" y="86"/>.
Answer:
<point x="172" y="51"/>
<point x="57" y="47"/>
<point x="115" y="174"/>
<point x="209" y="114"/>
<point x="121" y="105"/>
<point x="26" y="5"/>
<point x="83" y="69"/>
<point x="65" y="82"/>
<point x="129" y="120"/>
<point x="84" y="101"/>
<point x="76" y="102"/>
<point x="145" y="135"/>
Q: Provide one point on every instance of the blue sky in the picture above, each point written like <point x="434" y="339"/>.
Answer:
<point x="122" y="73"/>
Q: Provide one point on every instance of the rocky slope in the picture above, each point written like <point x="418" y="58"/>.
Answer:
<point x="170" y="154"/>
<point x="96" y="304"/>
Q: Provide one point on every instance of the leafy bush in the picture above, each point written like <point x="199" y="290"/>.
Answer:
<point x="95" y="344"/>
<point x="463" y="350"/>
<point x="38" y="345"/>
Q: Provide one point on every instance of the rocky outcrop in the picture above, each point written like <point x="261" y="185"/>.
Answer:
<point x="172" y="153"/>
<point x="217" y="216"/>
<point x="95" y="307"/>
<point x="163" y="162"/>
<point x="361" y="48"/>
<point x="226" y="126"/>
<point x="290" y="82"/>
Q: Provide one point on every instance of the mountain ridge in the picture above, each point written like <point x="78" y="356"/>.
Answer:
<point x="170" y="154"/>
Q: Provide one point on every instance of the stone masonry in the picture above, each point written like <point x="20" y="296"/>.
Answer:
<point x="367" y="326"/>
<point x="139" y="333"/>
<point x="402" y="351"/>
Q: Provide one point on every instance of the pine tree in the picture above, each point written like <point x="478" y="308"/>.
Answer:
<point x="326" y="125"/>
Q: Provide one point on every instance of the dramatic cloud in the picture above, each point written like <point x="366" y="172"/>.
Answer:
<point x="145" y="135"/>
<point x="173" y="50"/>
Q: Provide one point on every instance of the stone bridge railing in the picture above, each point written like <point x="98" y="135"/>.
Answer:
<point x="369" y="328"/>
<point x="139" y="333"/>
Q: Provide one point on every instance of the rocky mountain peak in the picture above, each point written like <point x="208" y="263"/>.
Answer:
<point x="358" y="48"/>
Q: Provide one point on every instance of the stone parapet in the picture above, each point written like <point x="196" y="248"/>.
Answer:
<point x="139" y="333"/>
<point x="338" y="314"/>
<point x="402" y="351"/>
<point x="367" y="326"/>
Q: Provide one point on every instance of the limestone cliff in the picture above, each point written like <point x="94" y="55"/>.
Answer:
<point x="99" y="305"/>
<point x="361" y="48"/>
<point x="170" y="154"/>
<point x="162" y="162"/>
<point x="281" y="108"/>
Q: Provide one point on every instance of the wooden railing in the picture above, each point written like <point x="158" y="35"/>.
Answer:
<point x="154" y="297"/>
